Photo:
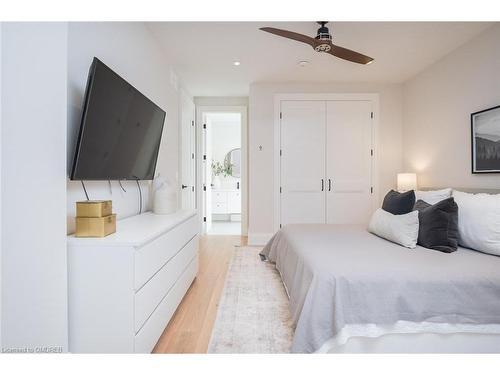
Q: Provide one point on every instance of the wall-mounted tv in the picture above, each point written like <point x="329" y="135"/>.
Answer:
<point x="120" y="130"/>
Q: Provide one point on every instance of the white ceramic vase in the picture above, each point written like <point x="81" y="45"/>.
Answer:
<point x="164" y="198"/>
<point x="165" y="202"/>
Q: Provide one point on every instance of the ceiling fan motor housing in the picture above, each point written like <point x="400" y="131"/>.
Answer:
<point x="325" y="37"/>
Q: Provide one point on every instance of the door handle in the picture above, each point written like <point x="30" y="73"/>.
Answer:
<point x="329" y="184"/>
<point x="184" y="186"/>
<point x="322" y="185"/>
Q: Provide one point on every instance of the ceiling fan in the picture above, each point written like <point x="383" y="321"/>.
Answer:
<point x="322" y="43"/>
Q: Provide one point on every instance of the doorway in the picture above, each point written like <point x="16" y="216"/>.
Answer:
<point x="223" y="170"/>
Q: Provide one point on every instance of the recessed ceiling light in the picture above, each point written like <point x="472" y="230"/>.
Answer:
<point x="236" y="63"/>
<point x="303" y="63"/>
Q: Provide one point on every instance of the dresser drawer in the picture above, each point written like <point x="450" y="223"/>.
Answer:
<point x="151" y="257"/>
<point x="151" y="294"/>
<point x="146" y="338"/>
<point x="234" y="202"/>
<point x="219" y="208"/>
<point x="219" y="197"/>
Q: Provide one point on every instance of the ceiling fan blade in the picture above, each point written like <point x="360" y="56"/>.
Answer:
<point x="291" y="35"/>
<point x="349" y="55"/>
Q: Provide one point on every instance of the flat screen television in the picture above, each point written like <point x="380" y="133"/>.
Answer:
<point x="120" y="130"/>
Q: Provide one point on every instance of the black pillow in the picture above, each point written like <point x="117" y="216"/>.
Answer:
<point x="438" y="225"/>
<point x="399" y="203"/>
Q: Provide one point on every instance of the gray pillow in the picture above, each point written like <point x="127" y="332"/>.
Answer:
<point x="399" y="203"/>
<point x="438" y="225"/>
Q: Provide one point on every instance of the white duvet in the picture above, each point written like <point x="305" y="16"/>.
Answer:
<point x="341" y="278"/>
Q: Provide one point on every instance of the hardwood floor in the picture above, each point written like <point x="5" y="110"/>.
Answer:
<point x="190" y="328"/>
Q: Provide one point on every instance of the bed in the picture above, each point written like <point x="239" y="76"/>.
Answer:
<point x="351" y="291"/>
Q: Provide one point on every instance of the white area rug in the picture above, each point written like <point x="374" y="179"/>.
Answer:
<point x="253" y="314"/>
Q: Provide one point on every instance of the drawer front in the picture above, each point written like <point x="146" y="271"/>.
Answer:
<point x="148" y="336"/>
<point x="219" y="208"/>
<point x="151" y="294"/>
<point x="234" y="202"/>
<point x="150" y="258"/>
<point x="219" y="197"/>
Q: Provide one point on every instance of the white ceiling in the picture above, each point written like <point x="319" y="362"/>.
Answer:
<point x="202" y="53"/>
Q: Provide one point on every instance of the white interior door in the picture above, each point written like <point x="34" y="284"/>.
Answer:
<point x="207" y="174"/>
<point x="302" y="162"/>
<point x="349" y="161"/>
<point x="188" y="157"/>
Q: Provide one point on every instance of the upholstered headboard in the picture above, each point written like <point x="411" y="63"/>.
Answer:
<point x="467" y="190"/>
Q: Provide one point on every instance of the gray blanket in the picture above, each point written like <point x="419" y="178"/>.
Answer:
<point x="337" y="275"/>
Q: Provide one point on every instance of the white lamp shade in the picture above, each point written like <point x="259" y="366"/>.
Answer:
<point x="407" y="181"/>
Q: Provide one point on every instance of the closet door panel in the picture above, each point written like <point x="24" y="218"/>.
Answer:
<point x="349" y="162"/>
<point x="303" y="127"/>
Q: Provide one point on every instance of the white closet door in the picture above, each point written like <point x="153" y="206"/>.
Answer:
<point x="303" y="161"/>
<point x="349" y="162"/>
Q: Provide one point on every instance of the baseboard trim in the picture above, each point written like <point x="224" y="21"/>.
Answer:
<point x="258" y="239"/>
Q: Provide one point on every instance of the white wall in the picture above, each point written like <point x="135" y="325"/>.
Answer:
<point x="33" y="223"/>
<point x="213" y="101"/>
<point x="437" y="107"/>
<point x="261" y="124"/>
<point x="131" y="51"/>
<point x="226" y="136"/>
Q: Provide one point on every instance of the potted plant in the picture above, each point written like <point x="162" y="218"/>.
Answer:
<point x="219" y="169"/>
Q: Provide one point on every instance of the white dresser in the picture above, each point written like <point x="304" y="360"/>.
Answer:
<point x="124" y="288"/>
<point x="226" y="201"/>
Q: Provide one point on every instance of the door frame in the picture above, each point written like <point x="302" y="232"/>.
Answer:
<point x="201" y="111"/>
<point x="278" y="98"/>
<point x="186" y="99"/>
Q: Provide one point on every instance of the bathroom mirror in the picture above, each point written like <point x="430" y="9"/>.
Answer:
<point x="233" y="158"/>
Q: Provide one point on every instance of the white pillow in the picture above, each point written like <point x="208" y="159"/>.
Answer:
<point x="401" y="229"/>
<point x="479" y="221"/>
<point x="432" y="196"/>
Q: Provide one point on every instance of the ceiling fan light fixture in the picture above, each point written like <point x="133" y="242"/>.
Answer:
<point x="323" y="47"/>
<point x="303" y="63"/>
<point x="236" y="63"/>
